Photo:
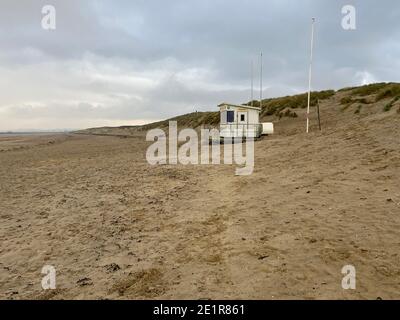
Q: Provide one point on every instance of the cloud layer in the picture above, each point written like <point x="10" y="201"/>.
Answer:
<point x="127" y="62"/>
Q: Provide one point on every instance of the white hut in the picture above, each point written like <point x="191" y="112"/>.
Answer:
<point x="239" y="121"/>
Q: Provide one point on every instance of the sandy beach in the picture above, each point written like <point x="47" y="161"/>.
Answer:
<point x="115" y="227"/>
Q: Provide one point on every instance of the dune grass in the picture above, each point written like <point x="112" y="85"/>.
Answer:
<point x="389" y="105"/>
<point x="391" y="91"/>
<point x="277" y="105"/>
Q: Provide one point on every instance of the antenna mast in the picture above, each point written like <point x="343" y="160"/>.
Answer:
<point x="309" y="74"/>
<point x="252" y="76"/>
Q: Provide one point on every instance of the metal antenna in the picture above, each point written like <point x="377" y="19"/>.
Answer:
<point x="309" y="74"/>
<point x="252" y="80"/>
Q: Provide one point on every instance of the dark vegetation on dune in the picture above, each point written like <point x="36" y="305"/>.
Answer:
<point x="370" y="94"/>
<point x="190" y="120"/>
<point x="283" y="107"/>
<point x="280" y="107"/>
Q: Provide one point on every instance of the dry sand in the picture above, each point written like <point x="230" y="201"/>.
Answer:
<point x="116" y="227"/>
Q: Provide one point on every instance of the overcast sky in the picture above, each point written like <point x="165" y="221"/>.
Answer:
<point x="128" y="62"/>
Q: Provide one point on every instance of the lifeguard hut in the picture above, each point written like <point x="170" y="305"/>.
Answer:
<point x="239" y="121"/>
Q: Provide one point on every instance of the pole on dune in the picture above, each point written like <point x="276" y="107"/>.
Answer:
<point x="319" y="118"/>
<point x="309" y="74"/>
<point x="261" y="75"/>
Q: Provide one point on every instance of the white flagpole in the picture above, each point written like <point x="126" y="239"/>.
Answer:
<point x="309" y="74"/>
<point x="261" y="78"/>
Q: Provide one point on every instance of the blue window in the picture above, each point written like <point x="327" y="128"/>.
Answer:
<point x="230" y="116"/>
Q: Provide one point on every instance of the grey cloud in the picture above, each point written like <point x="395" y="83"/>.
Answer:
<point x="126" y="60"/>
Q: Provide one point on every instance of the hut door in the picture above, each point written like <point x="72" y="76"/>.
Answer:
<point x="242" y="117"/>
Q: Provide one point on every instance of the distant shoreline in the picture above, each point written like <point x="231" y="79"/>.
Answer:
<point x="35" y="133"/>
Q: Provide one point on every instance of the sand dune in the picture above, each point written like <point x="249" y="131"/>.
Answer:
<point x="115" y="227"/>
